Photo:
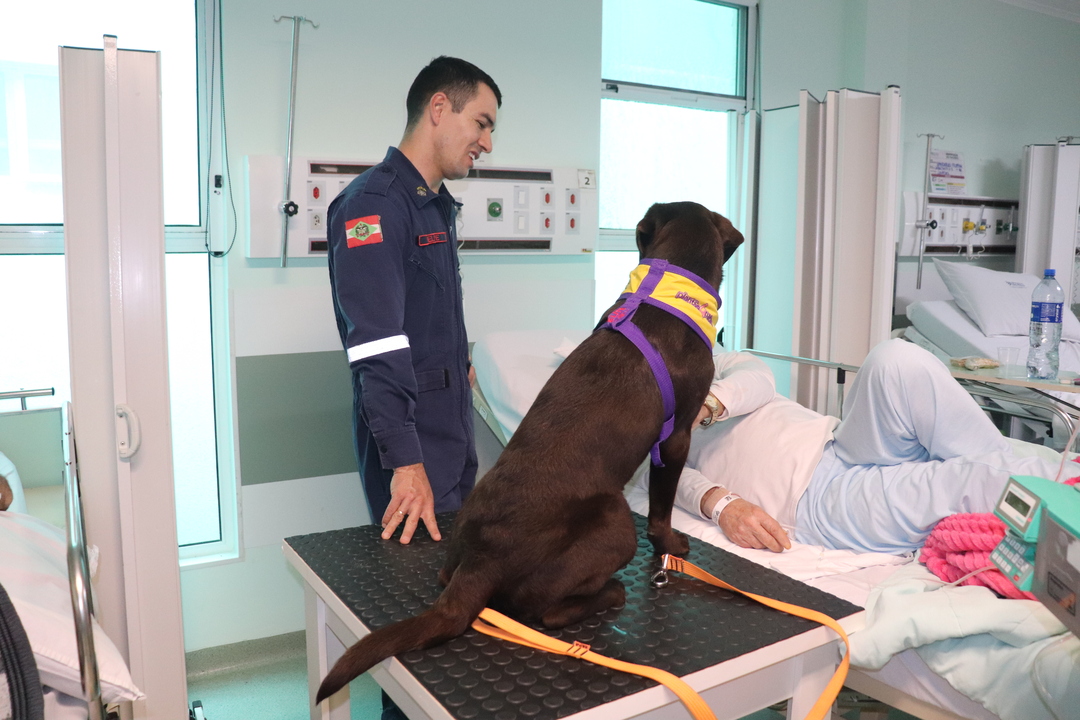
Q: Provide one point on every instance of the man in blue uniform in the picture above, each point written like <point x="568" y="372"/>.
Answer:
<point x="397" y="297"/>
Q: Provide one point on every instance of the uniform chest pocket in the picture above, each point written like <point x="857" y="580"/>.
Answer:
<point x="432" y="380"/>
<point x="428" y="265"/>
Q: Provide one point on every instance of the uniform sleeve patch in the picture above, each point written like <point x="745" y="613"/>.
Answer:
<point x="363" y="231"/>
<point x="432" y="238"/>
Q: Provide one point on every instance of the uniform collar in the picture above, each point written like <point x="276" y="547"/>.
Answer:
<point x="415" y="184"/>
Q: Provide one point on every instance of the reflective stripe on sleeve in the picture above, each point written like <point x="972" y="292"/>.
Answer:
<point x="377" y="347"/>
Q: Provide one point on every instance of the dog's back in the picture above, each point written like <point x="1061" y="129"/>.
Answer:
<point x="546" y="528"/>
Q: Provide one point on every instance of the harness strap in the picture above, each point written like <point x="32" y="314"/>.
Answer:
<point x="823" y="707"/>
<point x="663" y="379"/>
<point x="497" y="625"/>
<point x="620" y="320"/>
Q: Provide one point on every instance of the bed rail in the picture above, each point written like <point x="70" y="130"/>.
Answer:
<point x="841" y="369"/>
<point x="21" y="395"/>
<point x="79" y="573"/>
<point x="1049" y="404"/>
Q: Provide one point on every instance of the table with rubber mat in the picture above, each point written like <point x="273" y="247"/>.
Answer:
<point x="740" y="655"/>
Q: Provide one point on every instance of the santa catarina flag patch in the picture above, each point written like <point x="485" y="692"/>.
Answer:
<point x="363" y="231"/>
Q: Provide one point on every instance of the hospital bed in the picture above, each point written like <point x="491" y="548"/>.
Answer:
<point x="941" y="327"/>
<point x="46" y="572"/>
<point x="511" y="368"/>
<point x="969" y="323"/>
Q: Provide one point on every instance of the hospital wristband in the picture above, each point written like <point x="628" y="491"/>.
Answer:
<point x="721" y="504"/>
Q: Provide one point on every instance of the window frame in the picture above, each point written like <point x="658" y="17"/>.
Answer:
<point x="613" y="89"/>
<point x="48" y="239"/>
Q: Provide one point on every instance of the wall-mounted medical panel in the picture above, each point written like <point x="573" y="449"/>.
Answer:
<point x="532" y="211"/>
<point x="509" y="210"/>
<point x="959" y="225"/>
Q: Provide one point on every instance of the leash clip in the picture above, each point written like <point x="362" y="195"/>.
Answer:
<point x="667" y="562"/>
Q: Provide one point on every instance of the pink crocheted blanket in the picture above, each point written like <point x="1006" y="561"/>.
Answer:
<point x="962" y="543"/>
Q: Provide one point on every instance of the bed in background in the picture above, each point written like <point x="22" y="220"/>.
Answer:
<point x="511" y="368"/>
<point x="44" y="568"/>
<point x="989" y="309"/>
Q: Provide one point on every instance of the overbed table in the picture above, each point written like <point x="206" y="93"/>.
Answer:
<point x="995" y="376"/>
<point x="739" y="655"/>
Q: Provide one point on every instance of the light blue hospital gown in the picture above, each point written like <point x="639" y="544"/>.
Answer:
<point x="912" y="449"/>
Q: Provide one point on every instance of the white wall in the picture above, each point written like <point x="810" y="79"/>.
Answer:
<point x="354" y="73"/>
<point x="988" y="75"/>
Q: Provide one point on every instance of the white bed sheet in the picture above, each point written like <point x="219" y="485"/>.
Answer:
<point x="946" y="326"/>
<point x="34" y="574"/>
<point x="511" y="369"/>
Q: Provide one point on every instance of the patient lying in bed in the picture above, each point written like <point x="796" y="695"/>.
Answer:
<point x="913" y="448"/>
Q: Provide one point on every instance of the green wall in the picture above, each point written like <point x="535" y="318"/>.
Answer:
<point x="294" y="417"/>
<point x="34" y="442"/>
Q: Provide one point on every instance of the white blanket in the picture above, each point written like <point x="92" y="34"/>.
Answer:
<point x="983" y="645"/>
<point x="846" y="574"/>
<point x="34" y="573"/>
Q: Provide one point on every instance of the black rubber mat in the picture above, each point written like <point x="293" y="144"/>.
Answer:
<point x="682" y="628"/>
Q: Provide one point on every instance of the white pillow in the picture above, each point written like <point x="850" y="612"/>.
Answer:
<point x="33" y="571"/>
<point x="998" y="302"/>
<point x="7" y="469"/>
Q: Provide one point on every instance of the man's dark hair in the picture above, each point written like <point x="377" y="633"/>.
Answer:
<point x="457" y="78"/>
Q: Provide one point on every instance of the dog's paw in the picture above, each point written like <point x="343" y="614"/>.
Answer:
<point x="670" y="543"/>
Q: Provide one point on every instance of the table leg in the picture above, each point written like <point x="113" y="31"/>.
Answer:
<point x="814" y="670"/>
<point x="323" y="650"/>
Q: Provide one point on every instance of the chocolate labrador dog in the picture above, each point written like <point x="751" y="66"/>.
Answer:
<point x="544" y="531"/>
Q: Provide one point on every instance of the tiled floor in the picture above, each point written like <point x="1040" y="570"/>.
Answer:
<point x="264" y="680"/>
<point x="267" y="680"/>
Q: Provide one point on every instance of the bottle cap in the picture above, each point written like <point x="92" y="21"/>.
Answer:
<point x="1050" y="272"/>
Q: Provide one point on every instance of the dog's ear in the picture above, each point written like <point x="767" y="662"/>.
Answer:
<point x="729" y="236"/>
<point x="656" y="217"/>
<point x="646" y="228"/>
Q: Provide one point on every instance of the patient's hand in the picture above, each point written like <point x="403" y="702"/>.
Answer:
<point x="748" y="526"/>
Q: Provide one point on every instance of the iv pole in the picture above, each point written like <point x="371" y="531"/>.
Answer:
<point x="927" y="224"/>
<point x="288" y="207"/>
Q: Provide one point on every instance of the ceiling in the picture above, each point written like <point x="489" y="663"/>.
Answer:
<point x="1064" y="9"/>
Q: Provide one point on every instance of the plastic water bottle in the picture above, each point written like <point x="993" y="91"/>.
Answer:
<point x="1044" y="333"/>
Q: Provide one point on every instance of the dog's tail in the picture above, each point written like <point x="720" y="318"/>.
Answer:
<point x="450" y="616"/>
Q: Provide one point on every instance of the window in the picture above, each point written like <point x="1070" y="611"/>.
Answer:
<point x="30" y="105"/>
<point x="693" y="45"/>
<point x="659" y="153"/>
<point x="32" y="275"/>
<point x="674" y="73"/>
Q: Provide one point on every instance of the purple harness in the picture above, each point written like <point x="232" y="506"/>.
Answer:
<point x="621" y="320"/>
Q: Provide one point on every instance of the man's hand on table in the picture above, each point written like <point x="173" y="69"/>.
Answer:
<point x="411" y="500"/>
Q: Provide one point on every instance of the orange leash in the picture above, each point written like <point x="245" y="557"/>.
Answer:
<point x="823" y="706"/>
<point x="497" y="625"/>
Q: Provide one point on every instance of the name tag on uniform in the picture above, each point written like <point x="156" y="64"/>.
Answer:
<point x="431" y="239"/>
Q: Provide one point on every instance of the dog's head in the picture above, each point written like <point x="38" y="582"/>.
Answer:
<point x="690" y="236"/>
